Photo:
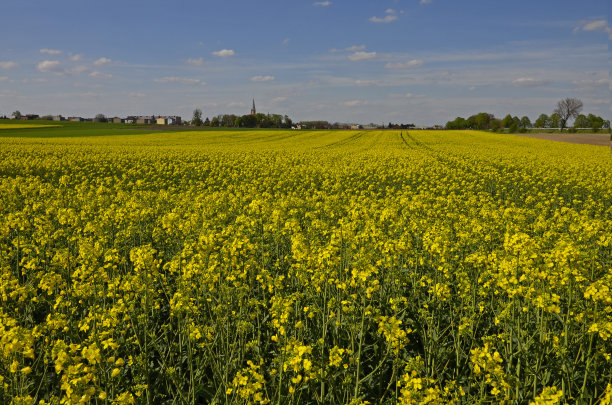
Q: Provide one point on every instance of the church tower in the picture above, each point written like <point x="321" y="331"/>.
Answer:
<point x="253" y="112"/>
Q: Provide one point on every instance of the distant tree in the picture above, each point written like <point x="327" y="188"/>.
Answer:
<point x="542" y="121"/>
<point x="595" y="122"/>
<point x="554" y="121"/>
<point x="495" y="125"/>
<point x="206" y="122"/>
<point x="276" y="120"/>
<point x="582" y="122"/>
<point x="458" y="123"/>
<point x="100" y="118"/>
<point x="227" y="120"/>
<point x="566" y="109"/>
<point x="514" y="125"/>
<point x="197" y="117"/>
<point x="525" y="122"/>
<point x="479" y="121"/>
<point x="482" y="120"/>
<point x="214" y="122"/>
<point x="471" y="122"/>
<point x="507" y="121"/>
<point x="17" y="114"/>
<point x="461" y="123"/>
<point x="248" y="121"/>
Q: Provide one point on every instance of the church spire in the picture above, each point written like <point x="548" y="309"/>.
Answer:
<point x="253" y="112"/>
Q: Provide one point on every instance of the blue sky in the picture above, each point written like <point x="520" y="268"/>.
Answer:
<point x="419" y="61"/>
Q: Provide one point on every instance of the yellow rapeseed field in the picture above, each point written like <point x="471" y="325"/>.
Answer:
<point x="305" y="267"/>
<point x="23" y="126"/>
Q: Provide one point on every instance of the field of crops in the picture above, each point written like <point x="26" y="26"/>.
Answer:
<point x="305" y="267"/>
<point x="23" y="126"/>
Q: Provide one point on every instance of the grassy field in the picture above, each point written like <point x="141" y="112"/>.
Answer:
<point x="303" y="267"/>
<point x="65" y="129"/>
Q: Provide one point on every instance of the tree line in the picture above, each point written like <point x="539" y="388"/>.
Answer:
<point x="565" y="110"/>
<point x="258" y="120"/>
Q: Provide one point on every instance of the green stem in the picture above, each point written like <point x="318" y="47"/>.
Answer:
<point x="356" y="392"/>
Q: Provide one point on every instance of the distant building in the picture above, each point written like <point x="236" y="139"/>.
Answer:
<point x="170" y="120"/>
<point x="253" y="111"/>
<point x="75" y="119"/>
<point x="145" y="120"/>
<point x="117" y="120"/>
<point x="58" y="118"/>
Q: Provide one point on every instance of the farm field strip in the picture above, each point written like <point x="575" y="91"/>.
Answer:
<point x="298" y="267"/>
<point x="25" y="126"/>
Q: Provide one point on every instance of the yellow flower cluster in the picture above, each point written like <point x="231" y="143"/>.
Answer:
<point x="249" y="384"/>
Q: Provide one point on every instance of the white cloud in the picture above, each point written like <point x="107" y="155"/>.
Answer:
<point x="182" y="80"/>
<point x="386" y="19"/>
<point x="279" y="99"/>
<point x="286" y="41"/>
<point x="406" y="65"/>
<point x="102" y="61"/>
<point x="99" y="75"/>
<point x="356" y="48"/>
<point x="528" y="82"/>
<point x="50" y="66"/>
<point x="50" y="51"/>
<point x="322" y="3"/>
<point x="8" y="64"/>
<point x="364" y="83"/>
<point x="236" y="104"/>
<point x="195" y="62"/>
<point x="425" y="1"/>
<point x="75" y="57"/>
<point x="354" y="103"/>
<point x="353" y="48"/>
<point x="3" y="78"/>
<point x="358" y="56"/>
<point x="390" y="11"/>
<point x="224" y="53"/>
<point x="595" y="25"/>
<point x="137" y="95"/>
<point x="261" y="79"/>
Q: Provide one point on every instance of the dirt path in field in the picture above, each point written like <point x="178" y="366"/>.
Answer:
<point x="585" y="139"/>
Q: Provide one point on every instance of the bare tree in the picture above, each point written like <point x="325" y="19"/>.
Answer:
<point x="568" y="108"/>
